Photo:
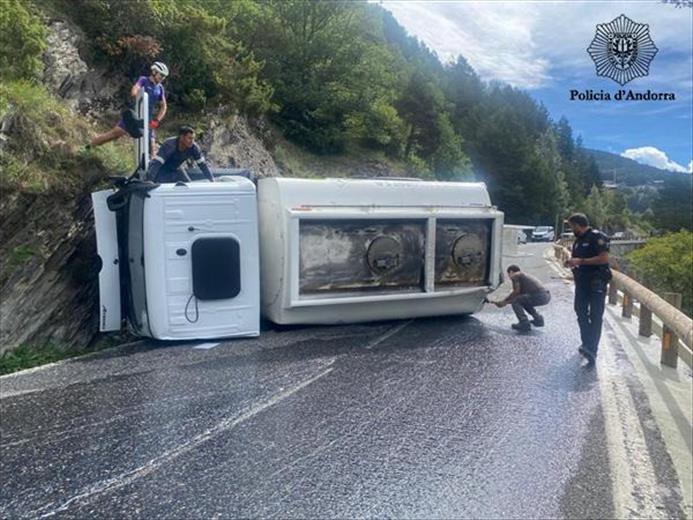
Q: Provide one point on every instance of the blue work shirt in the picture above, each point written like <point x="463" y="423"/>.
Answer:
<point x="164" y="165"/>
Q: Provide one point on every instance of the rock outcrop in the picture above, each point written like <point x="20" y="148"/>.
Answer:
<point x="67" y="76"/>
<point x="231" y="142"/>
<point x="47" y="274"/>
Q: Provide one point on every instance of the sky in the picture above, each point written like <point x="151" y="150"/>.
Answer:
<point x="541" y="47"/>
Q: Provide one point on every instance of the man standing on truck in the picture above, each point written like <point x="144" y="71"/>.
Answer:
<point x="590" y="263"/>
<point x="128" y="124"/>
<point x="528" y="293"/>
<point x="165" y="166"/>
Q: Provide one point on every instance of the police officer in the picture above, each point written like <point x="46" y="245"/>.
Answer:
<point x="590" y="264"/>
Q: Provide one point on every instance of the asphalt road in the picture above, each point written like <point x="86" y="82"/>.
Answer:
<point x="430" y="418"/>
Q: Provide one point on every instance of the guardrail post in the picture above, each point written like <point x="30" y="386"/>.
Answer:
<point x="670" y="342"/>
<point x="627" y="311"/>
<point x="645" y="328"/>
<point x="613" y="294"/>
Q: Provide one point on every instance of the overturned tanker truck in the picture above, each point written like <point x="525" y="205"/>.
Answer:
<point x="202" y="260"/>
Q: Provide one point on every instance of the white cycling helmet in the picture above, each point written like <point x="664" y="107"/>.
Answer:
<point x="160" y="67"/>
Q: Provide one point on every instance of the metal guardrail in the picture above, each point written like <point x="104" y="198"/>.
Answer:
<point x="675" y="324"/>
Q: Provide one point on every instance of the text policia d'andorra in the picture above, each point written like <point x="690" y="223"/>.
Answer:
<point x="620" y="95"/>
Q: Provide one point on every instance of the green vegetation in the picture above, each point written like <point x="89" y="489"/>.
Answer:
<point x="672" y="208"/>
<point x="295" y="161"/>
<point x="339" y="76"/>
<point x="606" y="210"/>
<point x="22" y="40"/>
<point x="336" y="77"/>
<point x="656" y="199"/>
<point x="20" y="255"/>
<point x="43" y="151"/>
<point x="211" y="66"/>
<point x="643" y="210"/>
<point x="665" y="264"/>
<point x="623" y="170"/>
<point x="29" y="356"/>
<point x="349" y="91"/>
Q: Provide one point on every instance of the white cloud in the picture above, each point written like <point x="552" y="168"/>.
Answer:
<point x="654" y="157"/>
<point x="496" y="40"/>
<point x="529" y="44"/>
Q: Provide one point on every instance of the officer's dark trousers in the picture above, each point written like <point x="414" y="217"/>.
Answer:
<point x="590" y="296"/>
<point x="527" y="302"/>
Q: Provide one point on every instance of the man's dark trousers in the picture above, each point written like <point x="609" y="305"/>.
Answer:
<point x="590" y="297"/>
<point x="527" y="302"/>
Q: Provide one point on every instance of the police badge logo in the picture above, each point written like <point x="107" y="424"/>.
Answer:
<point x="622" y="49"/>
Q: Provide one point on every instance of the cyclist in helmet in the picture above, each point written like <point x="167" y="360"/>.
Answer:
<point x="152" y="85"/>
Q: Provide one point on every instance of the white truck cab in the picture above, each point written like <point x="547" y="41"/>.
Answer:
<point x="188" y="258"/>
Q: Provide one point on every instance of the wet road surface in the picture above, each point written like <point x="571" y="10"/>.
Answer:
<point x="429" y="418"/>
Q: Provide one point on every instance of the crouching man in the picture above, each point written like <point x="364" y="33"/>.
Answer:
<point x="528" y="293"/>
<point x="165" y="166"/>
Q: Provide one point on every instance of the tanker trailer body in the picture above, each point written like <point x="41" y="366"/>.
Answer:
<point x="352" y="250"/>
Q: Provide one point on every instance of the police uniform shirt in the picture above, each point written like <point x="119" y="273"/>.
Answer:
<point x="592" y="243"/>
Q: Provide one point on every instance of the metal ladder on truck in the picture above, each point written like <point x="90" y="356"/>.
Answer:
<point x="143" y="142"/>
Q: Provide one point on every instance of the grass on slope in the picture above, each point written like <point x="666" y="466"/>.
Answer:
<point x="30" y="356"/>
<point x="42" y="143"/>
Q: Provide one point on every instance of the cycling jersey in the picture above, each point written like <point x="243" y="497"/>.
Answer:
<point x="155" y="91"/>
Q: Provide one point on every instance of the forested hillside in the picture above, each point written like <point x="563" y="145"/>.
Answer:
<point x="654" y="198"/>
<point x="620" y="169"/>
<point x="334" y="77"/>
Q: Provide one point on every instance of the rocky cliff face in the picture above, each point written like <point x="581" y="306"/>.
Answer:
<point x="232" y="142"/>
<point x="47" y="280"/>
<point x="89" y="91"/>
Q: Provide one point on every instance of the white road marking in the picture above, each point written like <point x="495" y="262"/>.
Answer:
<point x="632" y="471"/>
<point x="224" y="426"/>
<point x="206" y="346"/>
<point x="387" y="334"/>
<point x="671" y="436"/>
